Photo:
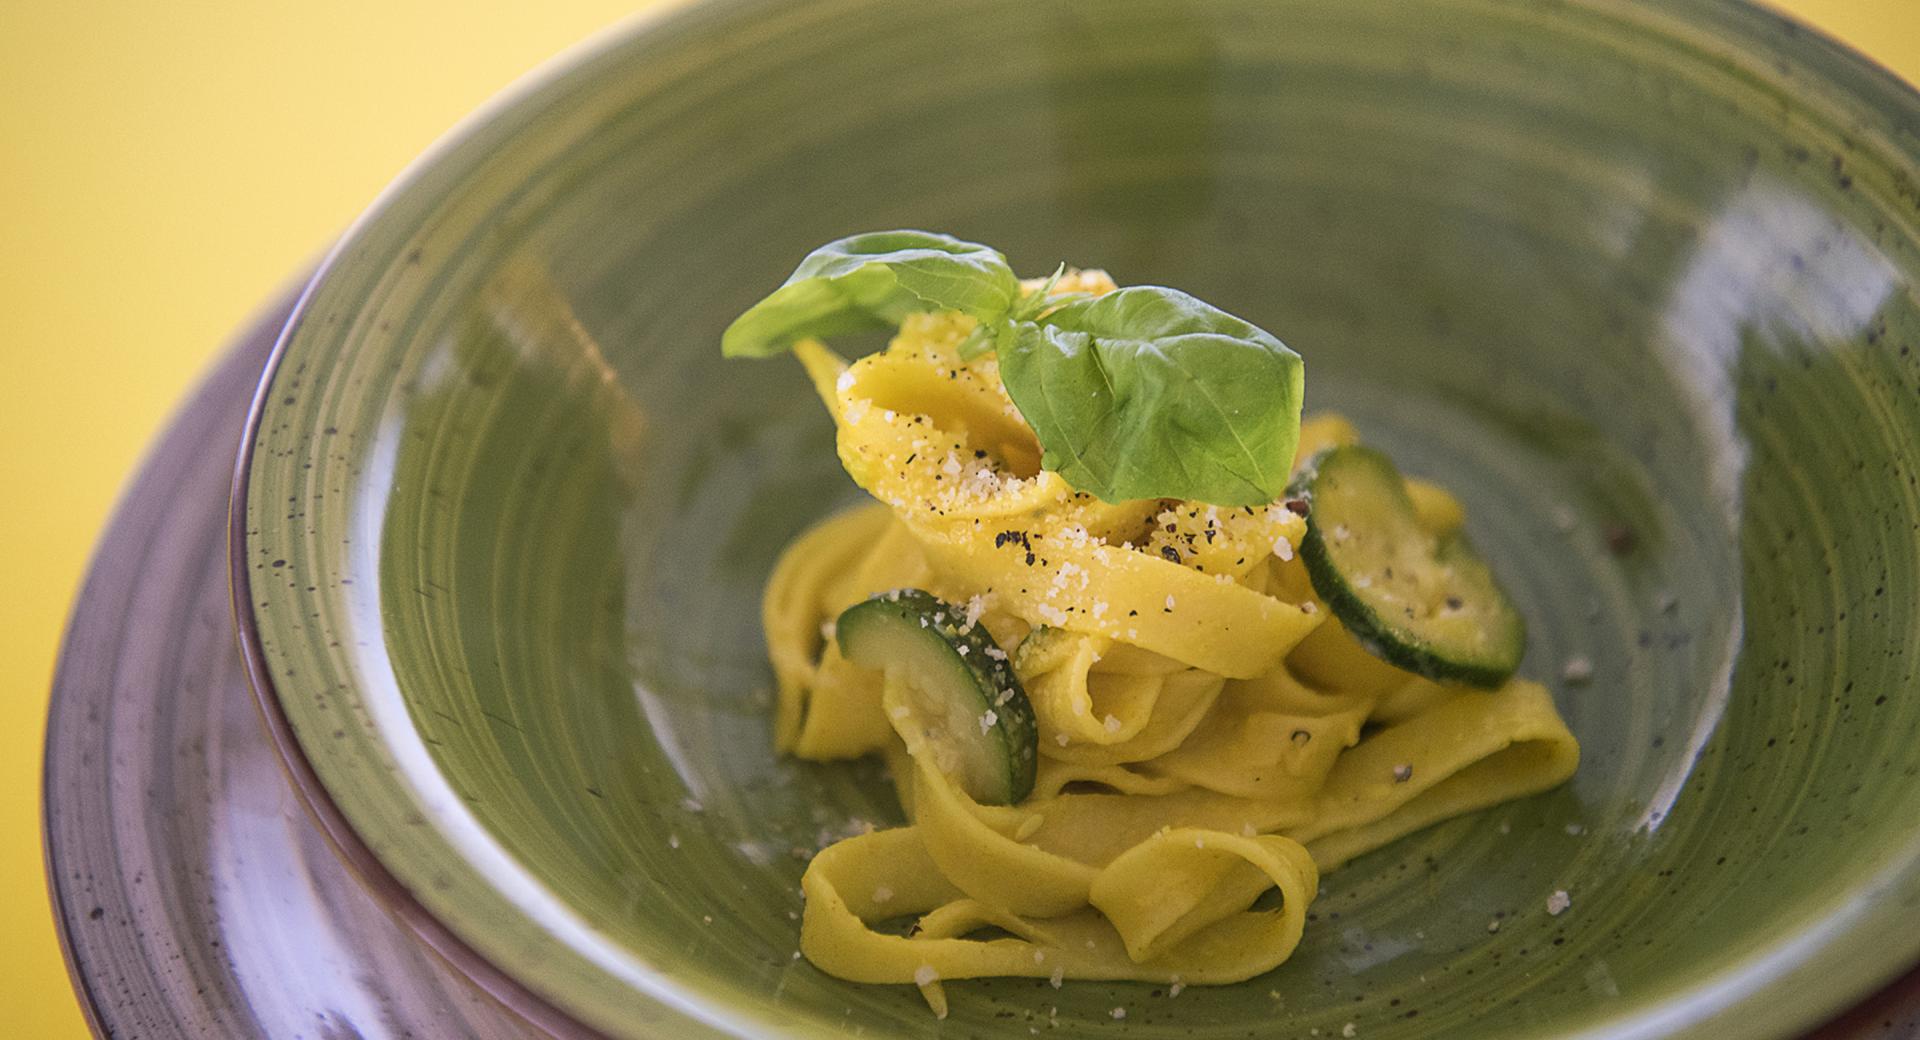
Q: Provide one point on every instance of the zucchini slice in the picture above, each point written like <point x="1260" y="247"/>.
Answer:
<point x="962" y="694"/>
<point x="1425" y="603"/>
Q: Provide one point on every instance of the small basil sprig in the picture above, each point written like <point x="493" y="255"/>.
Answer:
<point x="1145" y="392"/>
<point x="873" y="281"/>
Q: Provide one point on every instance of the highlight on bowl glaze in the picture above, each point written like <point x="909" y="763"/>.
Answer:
<point x="1637" y="280"/>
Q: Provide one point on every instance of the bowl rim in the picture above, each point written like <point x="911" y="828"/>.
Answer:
<point x="1710" y="1002"/>
<point x="388" y="889"/>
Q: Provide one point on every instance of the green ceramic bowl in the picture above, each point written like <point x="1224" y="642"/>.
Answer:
<point x="1638" y="279"/>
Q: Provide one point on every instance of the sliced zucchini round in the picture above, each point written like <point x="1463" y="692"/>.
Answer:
<point x="964" y="698"/>
<point x="1425" y="603"/>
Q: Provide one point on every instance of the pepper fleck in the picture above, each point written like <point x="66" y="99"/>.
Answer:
<point x="1620" y="539"/>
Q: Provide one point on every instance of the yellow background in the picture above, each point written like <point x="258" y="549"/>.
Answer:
<point x="164" y="168"/>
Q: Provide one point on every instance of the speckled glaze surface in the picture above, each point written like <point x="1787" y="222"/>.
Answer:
<point x="195" y="895"/>
<point x="1637" y="280"/>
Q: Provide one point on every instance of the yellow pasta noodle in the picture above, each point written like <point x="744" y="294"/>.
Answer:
<point x="1208" y="733"/>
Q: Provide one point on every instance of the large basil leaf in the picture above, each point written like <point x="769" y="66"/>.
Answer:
<point x="1147" y="392"/>
<point x="873" y="281"/>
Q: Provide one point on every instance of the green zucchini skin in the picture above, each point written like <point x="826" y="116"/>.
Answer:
<point x="1444" y="616"/>
<point x="964" y="688"/>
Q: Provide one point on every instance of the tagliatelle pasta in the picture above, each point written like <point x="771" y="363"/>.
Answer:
<point x="1210" y="739"/>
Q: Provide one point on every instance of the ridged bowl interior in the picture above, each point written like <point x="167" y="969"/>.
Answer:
<point x="1638" y="280"/>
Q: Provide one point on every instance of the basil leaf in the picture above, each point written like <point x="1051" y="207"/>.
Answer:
<point x="873" y="281"/>
<point x="1146" y="392"/>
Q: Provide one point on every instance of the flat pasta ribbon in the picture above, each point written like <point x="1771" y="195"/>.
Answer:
<point x="1208" y="733"/>
<point x="1176" y="907"/>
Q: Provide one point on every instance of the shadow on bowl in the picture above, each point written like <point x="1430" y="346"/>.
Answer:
<point x="1637" y="281"/>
